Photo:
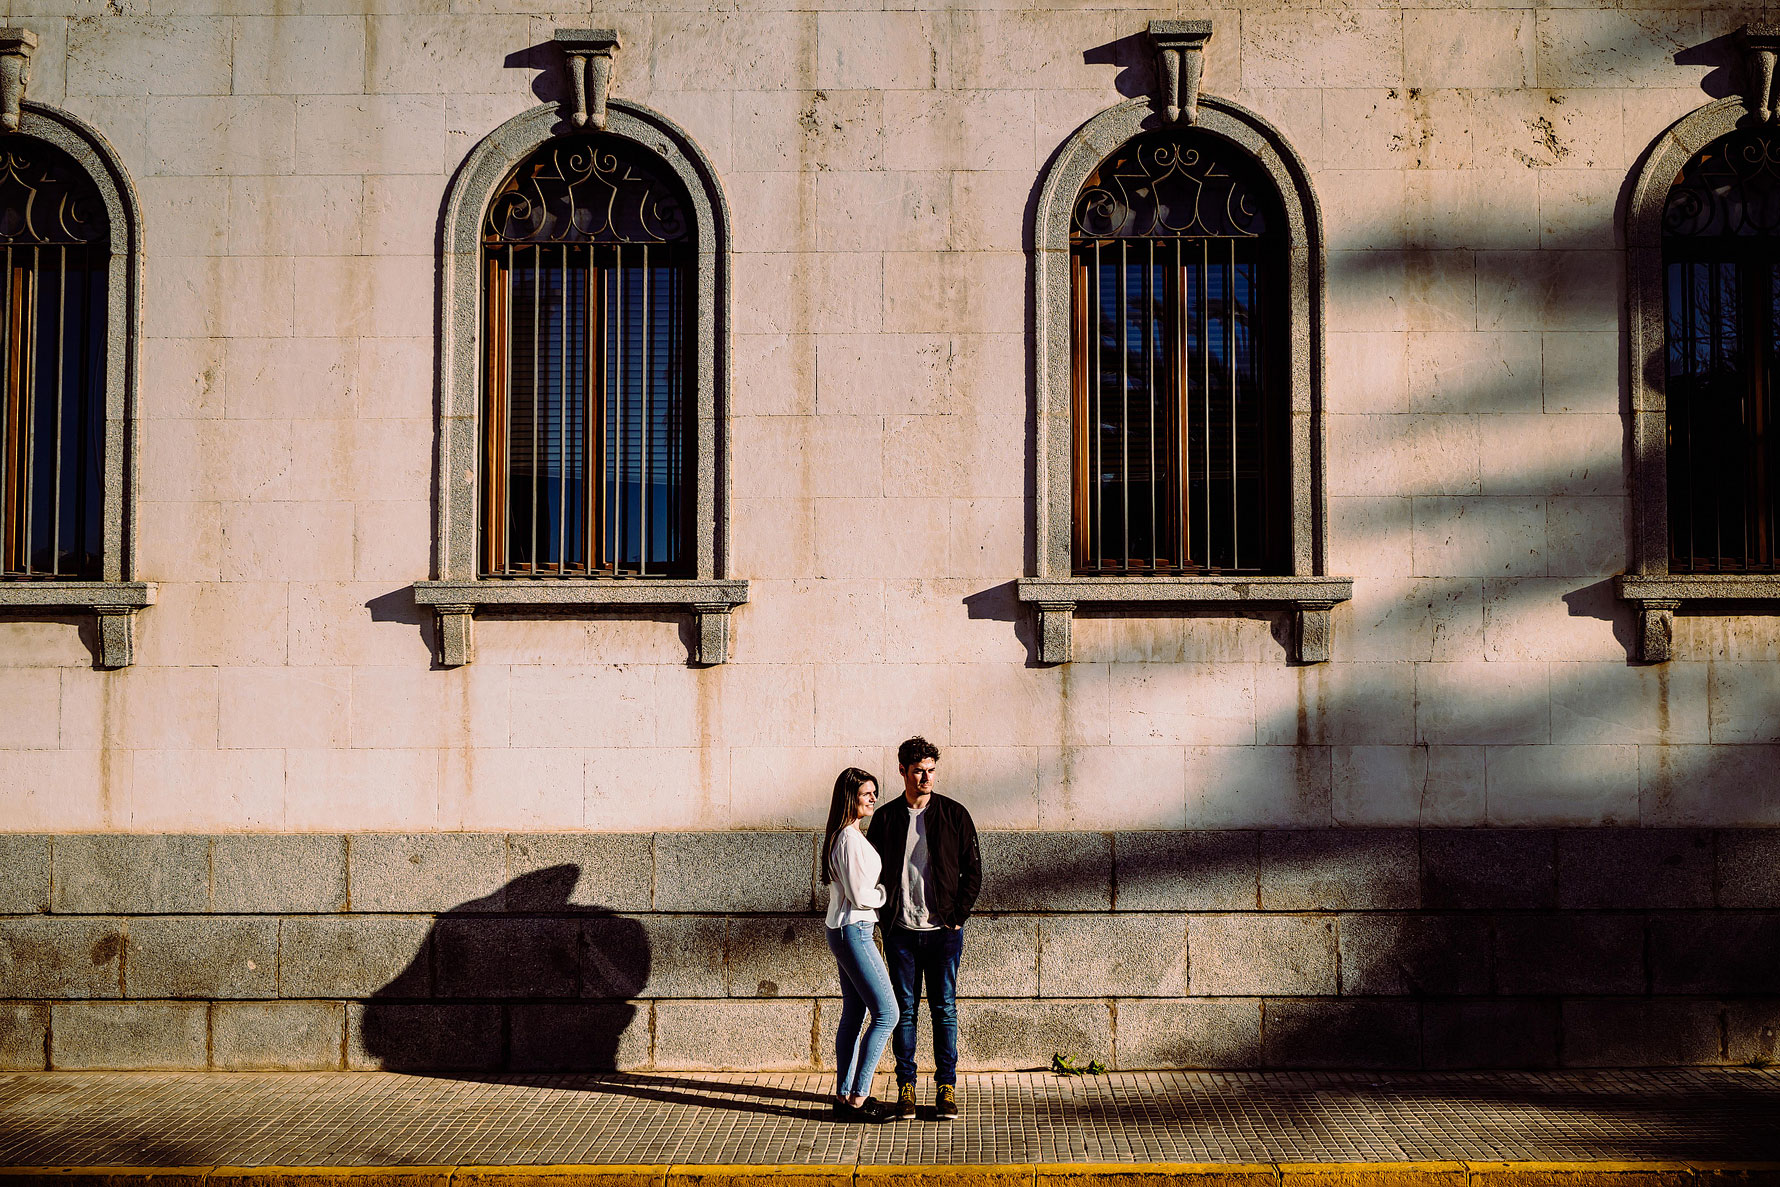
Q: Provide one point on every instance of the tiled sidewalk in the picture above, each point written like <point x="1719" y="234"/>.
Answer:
<point x="378" y="1119"/>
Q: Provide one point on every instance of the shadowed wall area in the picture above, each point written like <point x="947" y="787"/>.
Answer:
<point x="1378" y="948"/>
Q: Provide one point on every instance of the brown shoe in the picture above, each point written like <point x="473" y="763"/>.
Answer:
<point x="945" y="1105"/>
<point x="905" y="1102"/>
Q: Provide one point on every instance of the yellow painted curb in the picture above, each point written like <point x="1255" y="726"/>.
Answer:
<point x="330" y="1176"/>
<point x="107" y="1176"/>
<point x="1737" y="1174"/>
<point x="560" y="1176"/>
<point x="1015" y="1175"/>
<point x="748" y="1175"/>
<point x="1372" y="1174"/>
<point x="1156" y="1174"/>
<point x="1580" y="1174"/>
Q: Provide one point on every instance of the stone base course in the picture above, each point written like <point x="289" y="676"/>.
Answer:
<point x="1429" y="949"/>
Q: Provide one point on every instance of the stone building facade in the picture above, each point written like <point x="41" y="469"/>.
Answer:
<point x="1473" y="780"/>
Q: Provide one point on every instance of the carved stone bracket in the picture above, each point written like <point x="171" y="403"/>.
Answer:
<point x="590" y="53"/>
<point x="1310" y="635"/>
<point x="1055" y="620"/>
<point x="1761" y="45"/>
<point x="457" y="634"/>
<point x="1656" y="629"/>
<point x="117" y="635"/>
<point x="1656" y="597"/>
<point x="16" y="48"/>
<point x="1180" y="63"/>
<point x="710" y="633"/>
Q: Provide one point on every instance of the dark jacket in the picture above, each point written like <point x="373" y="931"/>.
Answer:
<point x="952" y="852"/>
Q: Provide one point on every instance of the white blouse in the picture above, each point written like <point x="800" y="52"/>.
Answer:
<point x="854" y="868"/>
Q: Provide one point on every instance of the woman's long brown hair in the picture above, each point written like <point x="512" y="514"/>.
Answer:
<point x="842" y="811"/>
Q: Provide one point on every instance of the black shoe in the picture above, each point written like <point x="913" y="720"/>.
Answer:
<point x="905" y="1102"/>
<point x="945" y="1104"/>
<point x="872" y="1112"/>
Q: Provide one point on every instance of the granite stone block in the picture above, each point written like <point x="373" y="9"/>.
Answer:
<point x="1630" y="868"/>
<point x="280" y="874"/>
<point x="132" y="875"/>
<point x="1297" y="1032"/>
<point x="735" y="1033"/>
<point x="1414" y="955"/>
<point x="740" y="872"/>
<point x="1112" y="955"/>
<point x="1695" y="952"/>
<point x="613" y="871"/>
<point x="278" y="1036"/>
<point x="24" y="1036"/>
<point x="145" y="1036"/>
<point x="201" y="956"/>
<point x="502" y="957"/>
<point x="1642" y="1032"/>
<point x="1046" y="872"/>
<point x="1004" y="1035"/>
<point x="24" y="874"/>
<point x="427" y="872"/>
<point x="1187" y="1033"/>
<point x="780" y="956"/>
<point x="1187" y="871"/>
<point x="1339" y="870"/>
<point x="43" y="956"/>
<point x="1749" y="868"/>
<point x="1490" y="1034"/>
<point x="654" y="956"/>
<point x="1000" y="957"/>
<point x="422" y="1036"/>
<point x="580" y="1037"/>
<point x="1569" y="954"/>
<point x="1246" y="955"/>
<point x="342" y="956"/>
<point x="1480" y="869"/>
<point x="1752" y="1030"/>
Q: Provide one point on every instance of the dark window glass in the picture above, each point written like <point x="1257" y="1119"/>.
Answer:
<point x="1721" y="261"/>
<point x="1180" y="438"/>
<point x="587" y="260"/>
<point x="53" y="283"/>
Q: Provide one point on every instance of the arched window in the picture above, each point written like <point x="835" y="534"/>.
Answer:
<point x="1180" y="416"/>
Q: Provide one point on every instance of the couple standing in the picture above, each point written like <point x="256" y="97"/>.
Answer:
<point x="917" y="862"/>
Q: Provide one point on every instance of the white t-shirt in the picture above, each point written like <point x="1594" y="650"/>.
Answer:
<point x="854" y="868"/>
<point x="917" y="876"/>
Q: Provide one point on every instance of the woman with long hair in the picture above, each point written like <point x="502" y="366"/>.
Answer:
<point x="852" y="868"/>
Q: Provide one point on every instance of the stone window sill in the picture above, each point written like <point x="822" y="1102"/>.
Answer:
<point x="708" y="601"/>
<point x="1658" y="596"/>
<point x="1308" y="598"/>
<point x="113" y="603"/>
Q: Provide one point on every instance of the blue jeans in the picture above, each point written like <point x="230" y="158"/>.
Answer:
<point x="932" y="956"/>
<point x="864" y="986"/>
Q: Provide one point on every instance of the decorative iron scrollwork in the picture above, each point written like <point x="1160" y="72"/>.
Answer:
<point x="1168" y="185"/>
<point x="46" y="199"/>
<point x="587" y="190"/>
<point x="1731" y="187"/>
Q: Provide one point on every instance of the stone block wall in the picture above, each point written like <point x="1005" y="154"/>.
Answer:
<point x="1363" y="948"/>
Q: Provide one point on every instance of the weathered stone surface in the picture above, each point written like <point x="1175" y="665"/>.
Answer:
<point x="582" y="1037"/>
<point x="1046" y="872"/>
<point x="1634" y="867"/>
<point x="1473" y="869"/>
<point x="614" y="871"/>
<point x="278" y="874"/>
<point x="1414" y="955"/>
<point x="201" y="957"/>
<point x="780" y="957"/>
<point x="1696" y="952"/>
<point x="1000" y="957"/>
<point x="354" y="956"/>
<point x="24" y="1036"/>
<point x="1490" y="1034"/>
<point x="1634" y="1032"/>
<point x="1187" y="1032"/>
<point x="763" y="872"/>
<point x="427" y="872"/>
<point x="1025" y="1034"/>
<point x="24" y="874"/>
<point x="278" y="1036"/>
<point x="764" y="1035"/>
<point x="1244" y="955"/>
<point x="1752" y="1030"/>
<point x="1336" y="869"/>
<point x="1748" y="868"/>
<point x="1113" y="955"/>
<point x="1187" y="871"/>
<point x="654" y="956"/>
<point x="94" y="874"/>
<point x="1577" y="954"/>
<point x="46" y="957"/>
<point x="128" y="1035"/>
<point x="422" y="1036"/>
<point x="1354" y="1034"/>
<point x="507" y="958"/>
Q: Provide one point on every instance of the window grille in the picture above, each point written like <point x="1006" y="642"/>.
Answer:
<point x="1721" y="260"/>
<point x="587" y="260"/>
<point x="54" y="255"/>
<point x="1180" y="445"/>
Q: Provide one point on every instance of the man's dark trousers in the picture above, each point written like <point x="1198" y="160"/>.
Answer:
<point x="930" y="956"/>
